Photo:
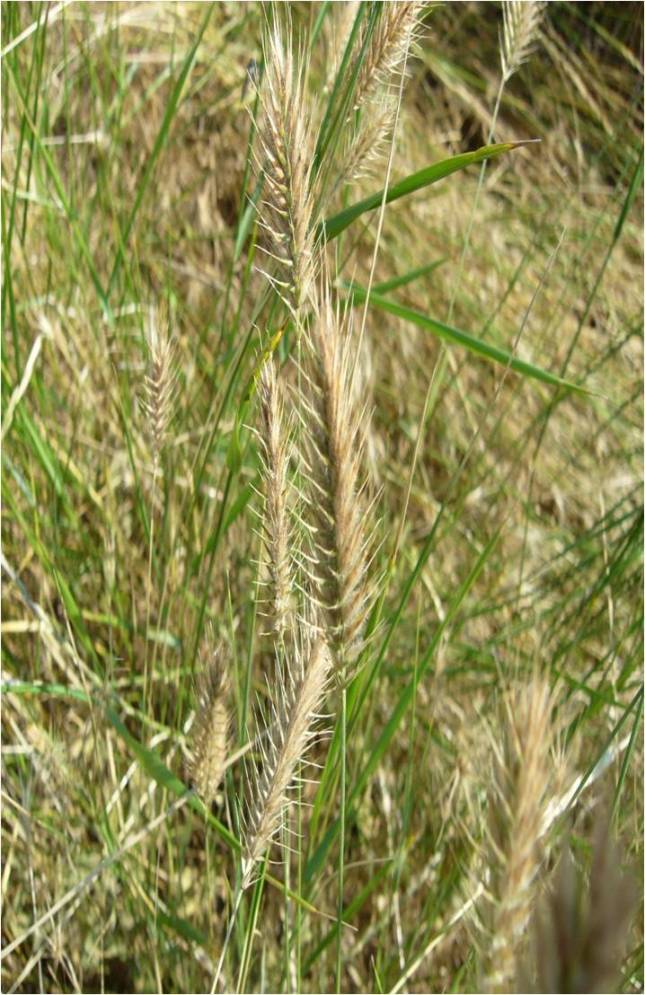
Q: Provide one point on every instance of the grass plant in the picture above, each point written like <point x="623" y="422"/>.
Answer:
<point x="312" y="354"/>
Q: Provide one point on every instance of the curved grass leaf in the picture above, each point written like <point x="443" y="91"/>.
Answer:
<point x="332" y="227"/>
<point x="483" y="349"/>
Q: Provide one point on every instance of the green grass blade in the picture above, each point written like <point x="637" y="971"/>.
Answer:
<point x="454" y="335"/>
<point x="160" y="141"/>
<point x="332" y="227"/>
<point x="409" y="277"/>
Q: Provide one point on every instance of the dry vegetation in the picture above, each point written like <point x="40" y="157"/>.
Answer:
<point x="309" y="609"/>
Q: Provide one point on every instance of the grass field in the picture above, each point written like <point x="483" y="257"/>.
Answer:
<point x="443" y="513"/>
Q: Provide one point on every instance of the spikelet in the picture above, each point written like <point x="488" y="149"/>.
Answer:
<point x="287" y="145"/>
<point x="521" y="780"/>
<point x="299" y="689"/>
<point x="275" y="522"/>
<point x="521" y="28"/>
<point x="210" y="732"/>
<point x="368" y="144"/>
<point x="159" y="384"/>
<point x="334" y="509"/>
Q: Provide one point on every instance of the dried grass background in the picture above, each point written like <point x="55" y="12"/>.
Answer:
<point x="129" y="538"/>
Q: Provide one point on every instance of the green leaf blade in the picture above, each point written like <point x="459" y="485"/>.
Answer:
<point x="332" y="227"/>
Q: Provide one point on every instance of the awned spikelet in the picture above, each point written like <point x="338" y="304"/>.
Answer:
<point x="275" y="520"/>
<point x="209" y="735"/>
<point x="339" y="537"/>
<point x="299" y="688"/>
<point x="522" y="774"/>
<point x="287" y="146"/>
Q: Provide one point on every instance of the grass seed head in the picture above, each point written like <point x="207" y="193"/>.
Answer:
<point x="210" y="732"/>
<point x="275" y="525"/>
<point x="522" y="776"/>
<point x="159" y="383"/>
<point x="300" y="686"/>
<point x="522" y="19"/>
<point x="339" y="538"/>
<point x="286" y="143"/>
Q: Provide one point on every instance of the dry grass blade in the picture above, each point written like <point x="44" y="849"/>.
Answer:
<point x="340" y="543"/>
<point x="301" y="687"/>
<point x="522" y="20"/>
<point x="210" y="732"/>
<point x="275" y="524"/>
<point x="286" y="143"/>
<point x="522" y="775"/>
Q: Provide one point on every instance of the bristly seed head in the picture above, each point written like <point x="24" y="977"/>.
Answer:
<point x="523" y="771"/>
<point x="287" y="147"/>
<point x="340" y="538"/>
<point x="276" y="530"/>
<point x="210" y="731"/>
<point x="522" y="20"/>
<point x="299" y="689"/>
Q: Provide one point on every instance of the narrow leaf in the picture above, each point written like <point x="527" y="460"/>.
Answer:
<point x="483" y="349"/>
<point x="332" y="227"/>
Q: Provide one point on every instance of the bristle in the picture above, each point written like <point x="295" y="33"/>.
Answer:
<point x="521" y="27"/>
<point x="339" y="539"/>
<point x="299" y="688"/>
<point x="287" y="145"/>
<point x="521" y="778"/>
<point x="210" y="731"/>
<point x="276" y="530"/>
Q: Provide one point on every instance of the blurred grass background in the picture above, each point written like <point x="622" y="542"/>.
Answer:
<point x="125" y="177"/>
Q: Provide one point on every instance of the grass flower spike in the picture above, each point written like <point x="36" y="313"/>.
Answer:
<point x="210" y="732"/>
<point x="522" y="19"/>
<point x="301" y="685"/>
<point x="159" y="384"/>
<point x="339" y="538"/>
<point x="522" y="775"/>
<point x="275" y="522"/>
<point x="286" y="143"/>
